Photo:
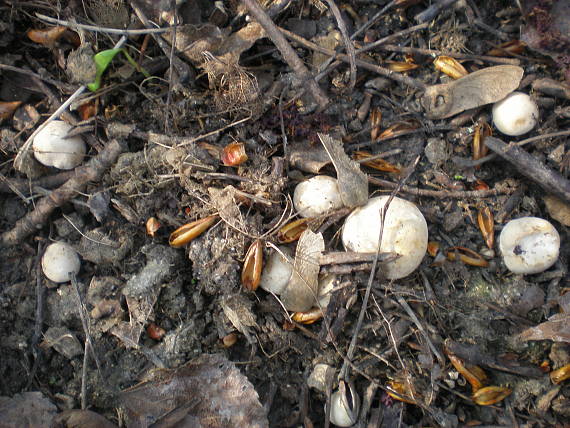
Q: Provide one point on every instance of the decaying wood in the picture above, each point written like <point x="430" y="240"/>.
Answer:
<point x="532" y="168"/>
<point x="36" y="219"/>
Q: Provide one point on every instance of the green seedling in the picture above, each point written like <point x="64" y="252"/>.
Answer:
<point x="103" y="59"/>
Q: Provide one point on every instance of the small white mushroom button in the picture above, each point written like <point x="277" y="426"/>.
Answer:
<point x="60" y="261"/>
<point x="345" y="405"/>
<point x="529" y="245"/>
<point x="317" y="196"/>
<point x="52" y="148"/>
<point x="516" y="114"/>
<point x="405" y="233"/>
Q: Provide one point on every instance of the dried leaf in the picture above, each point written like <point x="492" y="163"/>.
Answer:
<point x="561" y="374"/>
<point x="308" y="317"/>
<point x="508" y="48"/>
<point x="46" y="37"/>
<point x="398" y="128"/>
<point x="404" y="391"/>
<point x="352" y="182"/>
<point x="557" y="329"/>
<point x="467" y="256"/>
<point x="482" y="87"/>
<point x="300" y="295"/>
<point x="238" y="310"/>
<point x="252" y="266"/>
<point x="190" y="231"/>
<point x="375" y="122"/>
<point x="378" y="163"/>
<point x="292" y="231"/>
<point x="81" y="418"/>
<point x="308" y="157"/>
<point x="400" y="67"/>
<point x="207" y="392"/>
<point x="486" y="223"/>
<point x="473" y="374"/>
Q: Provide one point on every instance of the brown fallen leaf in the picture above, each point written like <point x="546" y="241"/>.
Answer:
<point x="81" y="418"/>
<point x="558" y="209"/>
<point x="300" y="295"/>
<point x="207" y="392"/>
<point x="557" y="329"/>
<point x="308" y="157"/>
<point x="352" y="182"/>
<point x="482" y="87"/>
<point x="26" y="410"/>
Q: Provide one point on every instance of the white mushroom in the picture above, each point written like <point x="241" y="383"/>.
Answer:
<point x="51" y="148"/>
<point x="345" y="405"/>
<point x="60" y="261"/>
<point x="529" y="245"/>
<point x="405" y="233"/>
<point x="317" y="196"/>
<point x="277" y="271"/>
<point x="516" y="114"/>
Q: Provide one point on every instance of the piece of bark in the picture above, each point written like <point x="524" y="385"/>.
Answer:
<point x="352" y="182"/>
<point x="530" y="167"/>
<point x="484" y="86"/>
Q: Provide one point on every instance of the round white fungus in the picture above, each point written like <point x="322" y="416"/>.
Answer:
<point x="345" y="406"/>
<point x="51" y="148"/>
<point x="317" y="196"/>
<point x="277" y="271"/>
<point x="60" y="261"/>
<point x="529" y="245"/>
<point x="516" y="114"/>
<point x="405" y="233"/>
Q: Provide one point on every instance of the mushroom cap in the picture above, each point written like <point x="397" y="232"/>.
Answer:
<point x="317" y="196"/>
<point x="516" y="114"/>
<point x="529" y="245"/>
<point x="405" y="233"/>
<point x="51" y="148"/>
<point x="60" y="261"/>
<point x="276" y="272"/>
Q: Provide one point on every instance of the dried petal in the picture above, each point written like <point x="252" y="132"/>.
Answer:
<point x="482" y="131"/>
<point x="188" y="232"/>
<point x="308" y="317"/>
<point x="152" y="226"/>
<point x="561" y="374"/>
<point x="401" y="67"/>
<point x="377" y="163"/>
<point x="398" y="129"/>
<point x="467" y="256"/>
<point x="375" y="122"/>
<point x="450" y="66"/>
<point x="252" y="266"/>
<point x="293" y="230"/>
<point x="46" y="37"/>
<point x="473" y="374"/>
<point x="403" y="390"/>
<point x="491" y="395"/>
<point x="233" y="154"/>
<point x="433" y="248"/>
<point x="7" y="108"/>
<point x="486" y="223"/>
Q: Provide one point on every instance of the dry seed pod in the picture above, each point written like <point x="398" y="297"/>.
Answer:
<point x="403" y="392"/>
<point x="561" y="374"/>
<point x="233" y="154"/>
<point x="308" y="317"/>
<point x="400" y="67"/>
<point x="467" y="256"/>
<point x="375" y="122"/>
<point x="46" y="37"/>
<point x="486" y="223"/>
<point x="473" y="374"/>
<point x="508" y="48"/>
<point x="155" y="332"/>
<point x="491" y="395"/>
<point x="482" y="131"/>
<point x="450" y="66"/>
<point x="152" y="226"/>
<point x="253" y="266"/>
<point x="293" y="230"/>
<point x="378" y="163"/>
<point x="398" y="129"/>
<point x="190" y="231"/>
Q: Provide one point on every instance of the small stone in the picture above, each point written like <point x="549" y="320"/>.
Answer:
<point x="318" y="378"/>
<point x="436" y="151"/>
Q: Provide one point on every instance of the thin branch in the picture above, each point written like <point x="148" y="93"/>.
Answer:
<point x="347" y="42"/>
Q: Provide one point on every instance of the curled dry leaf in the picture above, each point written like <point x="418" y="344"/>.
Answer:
<point x="308" y="157"/>
<point x="301" y="292"/>
<point x="486" y="224"/>
<point x="482" y="87"/>
<point x="375" y="163"/>
<point x="375" y="122"/>
<point x="401" y="67"/>
<point x="398" y="128"/>
<point x="491" y="395"/>
<point x="207" y="392"/>
<point x="352" y="182"/>
<point x="511" y="47"/>
<point x="467" y="256"/>
<point x="561" y="374"/>
<point x="308" y="317"/>
<point x="252" y="266"/>
<point x="472" y="374"/>
<point x="450" y="66"/>
<point x="184" y="234"/>
<point x="292" y="231"/>
<point x="404" y="391"/>
<point x="482" y="131"/>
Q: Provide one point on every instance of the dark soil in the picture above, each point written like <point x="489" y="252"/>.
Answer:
<point x="152" y="306"/>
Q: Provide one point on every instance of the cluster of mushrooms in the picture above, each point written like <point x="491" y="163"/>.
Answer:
<point x="528" y="245"/>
